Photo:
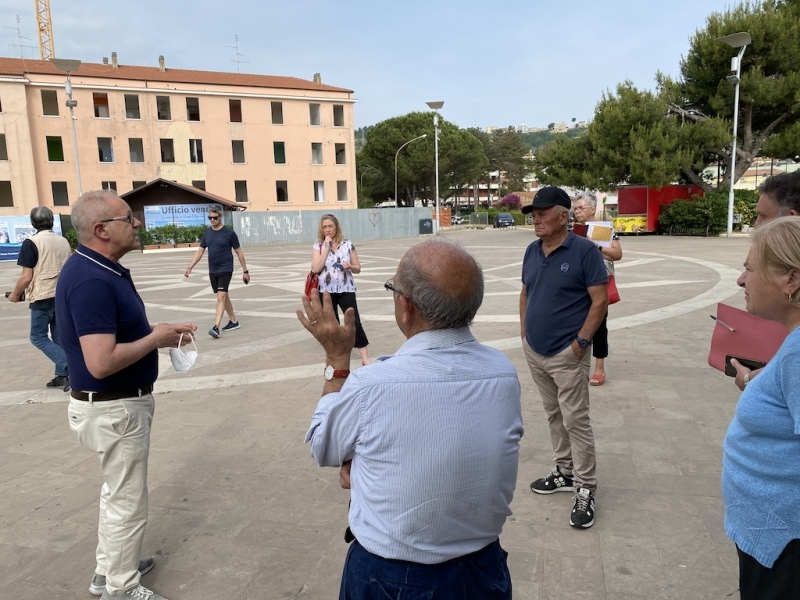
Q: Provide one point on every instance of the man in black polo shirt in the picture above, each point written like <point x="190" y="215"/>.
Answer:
<point x="562" y="302"/>
<point x="220" y="240"/>
<point x="113" y="363"/>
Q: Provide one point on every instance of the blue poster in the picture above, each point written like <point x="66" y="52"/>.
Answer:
<point x="176" y="214"/>
<point x="15" y="230"/>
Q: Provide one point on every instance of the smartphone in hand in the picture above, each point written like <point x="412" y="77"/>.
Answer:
<point x="751" y="364"/>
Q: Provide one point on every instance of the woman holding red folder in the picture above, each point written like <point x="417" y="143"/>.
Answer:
<point x="761" y="451"/>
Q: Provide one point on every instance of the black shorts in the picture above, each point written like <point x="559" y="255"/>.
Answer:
<point x="220" y="281"/>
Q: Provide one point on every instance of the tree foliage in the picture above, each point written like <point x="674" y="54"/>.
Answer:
<point x="673" y="134"/>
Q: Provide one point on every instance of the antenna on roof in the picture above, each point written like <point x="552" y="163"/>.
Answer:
<point x="236" y="54"/>
<point x="18" y="44"/>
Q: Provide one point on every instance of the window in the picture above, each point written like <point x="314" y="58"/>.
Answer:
<point x="55" y="149"/>
<point x="192" y="109"/>
<point x="132" y="106"/>
<point x="162" y="108"/>
<point x="49" y="104"/>
<point x="314" y="118"/>
<point x="341" y="191"/>
<point x="279" y="150"/>
<point x="277" y="113"/>
<point x="136" y="149"/>
<point x="200" y="184"/>
<point x="105" y="150"/>
<point x="338" y="115"/>
<point x="3" y="147"/>
<point x="60" y="195"/>
<point x="282" y="191"/>
<point x="196" y="151"/>
<point x="235" y="107"/>
<point x="167" y="151"/>
<point x="241" y="191"/>
<point x="341" y="155"/>
<point x="237" y="148"/>
<point x="319" y="191"/>
<point x="138" y="184"/>
<point x="316" y="153"/>
<point x="109" y="185"/>
<point x="6" y="197"/>
<point x="100" y="105"/>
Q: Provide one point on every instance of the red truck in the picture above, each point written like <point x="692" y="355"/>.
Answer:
<point x="639" y="206"/>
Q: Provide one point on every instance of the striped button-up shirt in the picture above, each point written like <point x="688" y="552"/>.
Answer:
<point x="433" y="432"/>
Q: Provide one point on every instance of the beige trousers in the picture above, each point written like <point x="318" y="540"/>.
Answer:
<point x="563" y="383"/>
<point x="119" y="432"/>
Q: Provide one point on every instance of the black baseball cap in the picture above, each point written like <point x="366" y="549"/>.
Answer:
<point x="547" y="197"/>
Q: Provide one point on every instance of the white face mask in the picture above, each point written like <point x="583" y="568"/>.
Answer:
<point x="182" y="360"/>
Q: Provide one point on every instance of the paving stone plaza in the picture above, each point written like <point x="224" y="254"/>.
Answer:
<point x="238" y="510"/>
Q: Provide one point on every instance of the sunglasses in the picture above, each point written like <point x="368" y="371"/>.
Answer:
<point x="129" y="218"/>
<point x="213" y="218"/>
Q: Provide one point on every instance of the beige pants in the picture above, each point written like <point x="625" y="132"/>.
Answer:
<point x="563" y="383"/>
<point x="119" y="432"/>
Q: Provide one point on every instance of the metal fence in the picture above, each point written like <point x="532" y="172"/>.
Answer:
<point x="294" y="227"/>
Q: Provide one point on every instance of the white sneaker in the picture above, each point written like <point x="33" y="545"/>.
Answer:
<point x="138" y="592"/>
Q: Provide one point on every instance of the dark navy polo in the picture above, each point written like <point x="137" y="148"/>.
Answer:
<point x="219" y="244"/>
<point x="557" y="285"/>
<point x="96" y="295"/>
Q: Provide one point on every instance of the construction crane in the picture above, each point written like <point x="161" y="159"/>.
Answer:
<point x="46" y="48"/>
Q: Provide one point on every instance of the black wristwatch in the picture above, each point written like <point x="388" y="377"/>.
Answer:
<point x="245" y="271"/>
<point x="582" y="342"/>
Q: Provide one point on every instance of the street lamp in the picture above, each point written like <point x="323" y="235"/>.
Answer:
<point x="735" y="40"/>
<point x="70" y="66"/>
<point x="419" y="137"/>
<point x="436" y="106"/>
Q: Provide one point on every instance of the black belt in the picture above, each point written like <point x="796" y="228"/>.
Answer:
<point x="106" y="396"/>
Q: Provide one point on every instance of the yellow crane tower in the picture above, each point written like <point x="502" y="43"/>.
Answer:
<point x="46" y="48"/>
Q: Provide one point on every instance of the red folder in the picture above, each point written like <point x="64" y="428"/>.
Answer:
<point x="738" y="333"/>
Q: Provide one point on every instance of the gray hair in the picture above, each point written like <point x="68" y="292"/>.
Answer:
<point x="42" y="218"/>
<point x="90" y="208"/>
<point x="430" y="286"/>
<point x="588" y="197"/>
<point x="784" y="189"/>
<point x="216" y="209"/>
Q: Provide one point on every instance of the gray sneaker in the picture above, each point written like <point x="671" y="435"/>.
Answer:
<point x="98" y="585"/>
<point x="138" y="592"/>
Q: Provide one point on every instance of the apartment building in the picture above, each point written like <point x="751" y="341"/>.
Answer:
<point x="265" y="142"/>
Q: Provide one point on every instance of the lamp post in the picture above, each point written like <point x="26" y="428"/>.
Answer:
<point x="419" y="137"/>
<point x="740" y="41"/>
<point x="436" y="106"/>
<point x="70" y="66"/>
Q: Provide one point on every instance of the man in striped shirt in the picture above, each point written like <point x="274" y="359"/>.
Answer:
<point x="427" y="439"/>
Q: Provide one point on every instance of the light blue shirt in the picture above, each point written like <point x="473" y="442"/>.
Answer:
<point x="433" y="432"/>
<point x="761" y="459"/>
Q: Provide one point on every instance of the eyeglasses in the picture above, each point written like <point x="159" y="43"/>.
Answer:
<point x="129" y="218"/>
<point x="389" y="285"/>
<point x="213" y="218"/>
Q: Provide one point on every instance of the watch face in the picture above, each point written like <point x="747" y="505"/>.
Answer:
<point x="329" y="372"/>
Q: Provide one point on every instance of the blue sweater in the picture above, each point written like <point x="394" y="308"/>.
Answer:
<point x="761" y="460"/>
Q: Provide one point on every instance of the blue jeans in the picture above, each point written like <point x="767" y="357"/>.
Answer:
<point x="43" y="321"/>
<point x="482" y="575"/>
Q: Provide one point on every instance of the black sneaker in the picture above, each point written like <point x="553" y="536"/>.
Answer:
<point x="583" y="509"/>
<point x="214" y="332"/>
<point x="66" y="387"/>
<point x="231" y="326"/>
<point x="554" y="481"/>
<point x="58" y="381"/>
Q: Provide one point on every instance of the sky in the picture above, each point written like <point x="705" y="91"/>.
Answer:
<point x="500" y="63"/>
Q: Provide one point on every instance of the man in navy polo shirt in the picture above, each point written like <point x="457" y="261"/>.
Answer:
<point x="113" y="363"/>
<point x="220" y="240"/>
<point x="561" y="305"/>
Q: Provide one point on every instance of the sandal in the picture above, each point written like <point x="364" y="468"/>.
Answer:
<point x="598" y="379"/>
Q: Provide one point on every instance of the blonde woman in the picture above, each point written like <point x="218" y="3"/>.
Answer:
<point x="335" y="260"/>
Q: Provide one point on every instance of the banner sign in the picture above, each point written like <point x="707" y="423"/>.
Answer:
<point x="181" y="215"/>
<point x="15" y="230"/>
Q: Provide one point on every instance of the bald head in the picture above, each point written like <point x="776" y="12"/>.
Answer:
<point x="443" y="282"/>
<point x="90" y="208"/>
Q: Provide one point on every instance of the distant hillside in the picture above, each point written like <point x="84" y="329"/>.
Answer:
<point x="539" y="139"/>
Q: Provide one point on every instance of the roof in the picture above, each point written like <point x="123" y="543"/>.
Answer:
<point x="193" y="190"/>
<point x="21" y="67"/>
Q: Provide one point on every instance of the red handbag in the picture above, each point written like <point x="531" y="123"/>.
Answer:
<point x="613" y="292"/>
<point x="312" y="283"/>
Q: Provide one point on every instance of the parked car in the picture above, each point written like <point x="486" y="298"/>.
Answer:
<point x="504" y="220"/>
<point x="456" y="220"/>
